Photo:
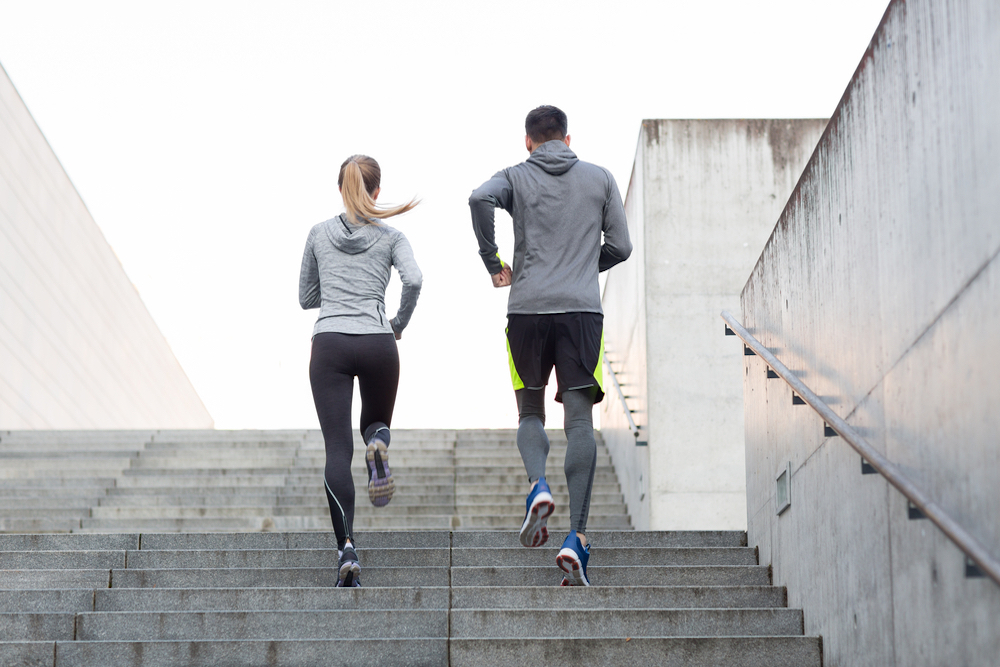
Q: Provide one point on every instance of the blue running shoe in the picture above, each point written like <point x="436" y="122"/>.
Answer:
<point x="349" y="575"/>
<point x="537" y="510"/>
<point x="572" y="560"/>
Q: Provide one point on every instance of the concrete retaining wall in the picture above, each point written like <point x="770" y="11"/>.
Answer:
<point x="78" y="349"/>
<point x="880" y="288"/>
<point x="702" y="200"/>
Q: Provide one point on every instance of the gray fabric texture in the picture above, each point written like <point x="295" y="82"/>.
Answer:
<point x="345" y="270"/>
<point x="561" y="206"/>
<point x="532" y="441"/>
<point x="581" y="448"/>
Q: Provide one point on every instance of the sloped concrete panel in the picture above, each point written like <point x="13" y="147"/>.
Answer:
<point x="78" y="348"/>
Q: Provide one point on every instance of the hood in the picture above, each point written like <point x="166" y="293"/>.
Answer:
<point x="349" y="237"/>
<point x="554" y="157"/>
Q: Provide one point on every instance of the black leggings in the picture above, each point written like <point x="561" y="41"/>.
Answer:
<point x="336" y="359"/>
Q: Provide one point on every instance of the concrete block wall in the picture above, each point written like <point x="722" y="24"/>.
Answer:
<point x="880" y="288"/>
<point x="702" y="200"/>
<point x="78" y="348"/>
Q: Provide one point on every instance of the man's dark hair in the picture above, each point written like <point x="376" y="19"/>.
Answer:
<point x="545" y="124"/>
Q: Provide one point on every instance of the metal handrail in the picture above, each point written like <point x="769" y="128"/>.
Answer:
<point x="966" y="542"/>
<point x="628" y="413"/>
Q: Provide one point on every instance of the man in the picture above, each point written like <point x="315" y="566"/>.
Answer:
<point x="560" y="206"/>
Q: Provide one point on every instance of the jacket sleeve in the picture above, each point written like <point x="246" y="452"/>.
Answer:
<point x="485" y="199"/>
<point x="309" y="292"/>
<point x="616" y="247"/>
<point x="410" y="276"/>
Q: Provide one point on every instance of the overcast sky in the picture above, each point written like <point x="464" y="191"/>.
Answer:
<point x="205" y="138"/>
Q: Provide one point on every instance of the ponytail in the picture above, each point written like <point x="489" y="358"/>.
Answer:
<point x="359" y="177"/>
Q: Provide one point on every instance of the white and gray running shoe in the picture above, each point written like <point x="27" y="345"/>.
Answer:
<point x="380" y="483"/>
<point x="349" y="575"/>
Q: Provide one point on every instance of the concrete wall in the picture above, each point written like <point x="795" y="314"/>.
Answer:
<point x="880" y="288"/>
<point x="624" y="303"/>
<point x="78" y="349"/>
<point x="703" y="198"/>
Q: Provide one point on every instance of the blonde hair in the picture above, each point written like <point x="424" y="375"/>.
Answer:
<point x="359" y="178"/>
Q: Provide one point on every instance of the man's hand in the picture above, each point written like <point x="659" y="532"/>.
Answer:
<point x="502" y="279"/>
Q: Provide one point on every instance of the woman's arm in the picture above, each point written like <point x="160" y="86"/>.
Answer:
<point x="410" y="276"/>
<point x="309" y="292"/>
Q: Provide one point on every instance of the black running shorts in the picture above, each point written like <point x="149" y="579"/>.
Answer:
<point x="572" y="342"/>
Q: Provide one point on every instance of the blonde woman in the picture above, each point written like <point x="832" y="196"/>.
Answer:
<point x="345" y="270"/>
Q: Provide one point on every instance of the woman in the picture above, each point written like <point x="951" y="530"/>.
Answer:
<point x="345" y="270"/>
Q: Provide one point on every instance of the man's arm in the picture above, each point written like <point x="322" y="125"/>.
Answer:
<point x="617" y="246"/>
<point x="484" y="201"/>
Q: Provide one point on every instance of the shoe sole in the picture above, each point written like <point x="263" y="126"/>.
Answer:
<point x="534" y="532"/>
<point x="349" y="574"/>
<point x="569" y="562"/>
<point x="381" y="486"/>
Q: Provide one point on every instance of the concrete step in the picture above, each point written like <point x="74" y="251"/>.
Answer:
<point x="615" y="539"/>
<point x="608" y="597"/>
<point x="283" y="558"/>
<point x="661" y="651"/>
<point x="61" y="560"/>
<point x="47" y="503"/>
<point x="33" y="600"/>
<point x="32" y="626"/>
<point x="47" y="513"/>
<point x="260" y="482"/>
<point x="15" y="487"/>
<point x="611" y="556"/>
<point x="54" y="579"/>
<point x="39" y="525"/>
<point x="516" y="509"/>
<point x="36" y="542"/>
<point x="556" y="522"/>
<point x="600" y="575"/>
<point x="212" y="462"/>
<point x="246" y="653"/>
<point x="589" y="623"/>
<point x="253" y="599"/>
<point x="275" y="577"/>
<point x="243" y="625"/>
<point x="326" y="540"/>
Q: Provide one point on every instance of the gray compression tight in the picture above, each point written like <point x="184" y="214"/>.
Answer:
<point x="581" y="450"/>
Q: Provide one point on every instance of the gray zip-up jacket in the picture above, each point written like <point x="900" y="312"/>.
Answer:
<point x="560" y="206"/>
<point x="345" y="270"/>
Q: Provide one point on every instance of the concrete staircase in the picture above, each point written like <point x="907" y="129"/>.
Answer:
<point x="173" y="481"/>
<point x="466" y="596"/>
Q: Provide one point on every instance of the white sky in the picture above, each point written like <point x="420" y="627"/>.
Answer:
<point x="205" y="138"/>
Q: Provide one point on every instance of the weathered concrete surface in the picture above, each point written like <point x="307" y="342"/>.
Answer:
<point x="78" y="349"/>
<point x="702" y="200"/>
<point x="880" y="288"/>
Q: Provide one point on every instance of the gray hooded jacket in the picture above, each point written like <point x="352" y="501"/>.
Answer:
<point x="561" y="206"/>
<point x="345" y="270"/>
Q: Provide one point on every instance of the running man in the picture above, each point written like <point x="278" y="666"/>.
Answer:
<point x="560" y="206"/>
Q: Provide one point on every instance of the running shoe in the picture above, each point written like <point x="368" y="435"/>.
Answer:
<point x="572" y="560"/>
<point x="350" y="570"/>
<point x="538" y="507"/>
<point x="380" y="483"/>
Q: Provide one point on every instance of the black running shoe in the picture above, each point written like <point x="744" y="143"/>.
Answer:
<point x="350" y="570"/>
